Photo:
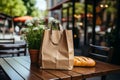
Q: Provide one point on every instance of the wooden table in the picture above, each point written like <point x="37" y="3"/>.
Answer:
<point x="19" y="68"/>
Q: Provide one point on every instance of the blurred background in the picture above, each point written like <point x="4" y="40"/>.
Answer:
<point x="92" y="21"/>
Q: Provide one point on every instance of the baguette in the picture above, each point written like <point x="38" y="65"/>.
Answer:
<point x="83" y="61"/>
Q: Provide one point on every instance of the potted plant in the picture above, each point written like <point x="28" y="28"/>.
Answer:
<point x="33" y="36"/>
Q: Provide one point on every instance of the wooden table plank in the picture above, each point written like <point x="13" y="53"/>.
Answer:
<point x="10" y="71"/>
<point x="37" y="71"/>
<point x="100" y="69"/>
<point x="84" y="71"/>
<point x="74" y="75"/>
<point x="22" y="62"/>
<point x="25" y="58"/>
<point x="107" y="68"/>
<point x="26" y="74"/>
<point x="59" y="74"/>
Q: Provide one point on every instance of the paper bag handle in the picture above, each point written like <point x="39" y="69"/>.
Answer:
<point x="61" y="29"/>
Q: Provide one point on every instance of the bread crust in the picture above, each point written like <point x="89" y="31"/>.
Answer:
<point x="84" y="61"/>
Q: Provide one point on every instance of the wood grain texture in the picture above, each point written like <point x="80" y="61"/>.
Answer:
<point x="20" y="68"/>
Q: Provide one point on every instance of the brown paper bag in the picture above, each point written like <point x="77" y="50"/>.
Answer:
<point x="57" y="50"/>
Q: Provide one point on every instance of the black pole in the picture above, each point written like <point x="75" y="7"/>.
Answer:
<point x="94" y="22"/>
<point x="85" y="28"/>
<point x="73" y="19"/>
<point x="68" y="17"/>
<point x="116" y="55"/>
<point x="73" y="9"/>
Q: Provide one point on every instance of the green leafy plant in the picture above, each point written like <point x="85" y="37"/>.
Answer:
<point x="34" y="32"/>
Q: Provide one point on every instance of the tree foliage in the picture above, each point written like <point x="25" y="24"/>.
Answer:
<point x="31" y="9"/>
<point x="12" y="7"/>
<point x="111" y="7"/>
<point x="19" y="7"/>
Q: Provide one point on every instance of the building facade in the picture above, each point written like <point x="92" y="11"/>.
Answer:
<point x="54" y="13"/>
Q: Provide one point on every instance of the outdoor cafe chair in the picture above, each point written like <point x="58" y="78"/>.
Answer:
<point x="8" y="46"/>
<point x="7" y="40"/>
<point x="101" y="53"/>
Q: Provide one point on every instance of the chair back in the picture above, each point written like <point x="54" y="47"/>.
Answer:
<point x="13" y="49"/>
<point x="22" y="49"/>
<point x="7" y="41"/>
<point x="101" y="53"/>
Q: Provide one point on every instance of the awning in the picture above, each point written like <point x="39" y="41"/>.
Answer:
<point x="58" y="6"/>
<point x="22" y="18"/>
